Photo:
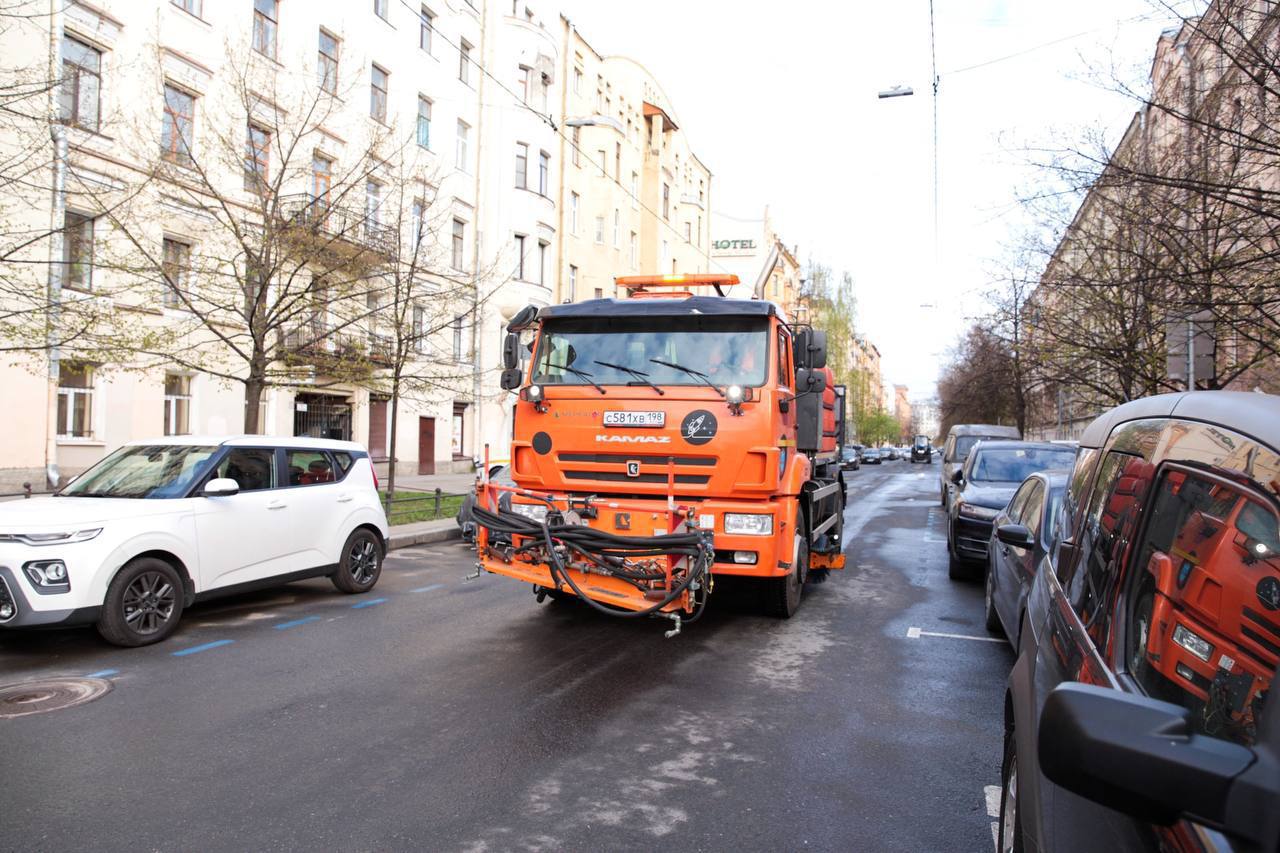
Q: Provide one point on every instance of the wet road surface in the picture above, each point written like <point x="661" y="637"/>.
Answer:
<point x="440" y="714"/>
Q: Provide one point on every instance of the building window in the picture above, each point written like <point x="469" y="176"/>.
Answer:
<point x="176" y="265"/>
<point x="544" y="173"/>
<point x="574" y="198"/>
<point x="634" y="249"/>
<point x="378" y="85"/>
<point x="179" y="123"/>
<point x="372" y="207"/>
<point x="542" y="262"/>
<point x="573" y="282"/>
<point x="417" y="218"/>
<point x="80" y="97"/>
<point x="266" y="14"/>
<point x="522" y="83"/>
<point x="424" y="122"/>
<point x="577" y="81"/>
<point x="666" y="201"/>
<point x="599" y="293"/>
<point x="327" y="63"/>
<point x="321" y="178"/>
<point x="688" y="232"/>
<point x="426" y="28"/>
<point x="191" y="6"/>
<point x="257" y="149"/>
<point x="459" y="436"/>
<point x="457" y="338"/>
<point x="520" y="241"/>
<point x="75" y="400"/>
<point x="617" y="160"/>
<point x="699" y="234"/>
<point x="577" y="146"/>
<point x="460" y="152"/>
<point x="177" y="404"/>
<point x="459" y="241"/>
<point x="77" y="252"/>
<point x="380" y="8"/>
<point x="601" y="159"/>
<point x="635" y="189"/>
<point x="600" y="230"/>
<point x="617" y="228"/>
<point x="419" y="326"/>
<point x="464" y="61"/>
<point x="522" y="165"/>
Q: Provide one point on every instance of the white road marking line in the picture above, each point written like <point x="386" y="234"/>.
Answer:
<point x="992" y="793"/>
<point x="914" y="633"/>
<point x="995" y="834"/>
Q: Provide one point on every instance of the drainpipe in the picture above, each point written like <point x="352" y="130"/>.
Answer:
<point x="477" y="320"/>
<point x="57" y="217"/>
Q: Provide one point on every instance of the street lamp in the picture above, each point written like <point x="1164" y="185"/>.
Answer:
<point x="898" y="91"/>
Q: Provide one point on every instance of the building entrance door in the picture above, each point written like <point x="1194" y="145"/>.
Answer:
<point x="426" y="445"/>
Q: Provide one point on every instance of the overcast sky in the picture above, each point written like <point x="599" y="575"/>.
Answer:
<point x="783" y="110"/>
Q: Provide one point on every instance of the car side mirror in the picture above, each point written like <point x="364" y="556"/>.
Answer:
<point x="220" y="487"/>
<point x="1016" y="535"/>
<point x="957" y="476"/>
<point x="1138" y="756"/>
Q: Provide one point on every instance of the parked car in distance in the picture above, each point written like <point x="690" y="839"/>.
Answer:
<point x="850" y="457"/>
<point x="871" y="456"/>
<point x="158" y="525"/>
<point x="960" y="440"/>
<point x="990" y="476"/>
<point x="500" y="474"/>
<point x="922" y="450"/>
<point x="1022" y="534"/>
<point x="888" y="453"/>
<point x="1136" y="715"/>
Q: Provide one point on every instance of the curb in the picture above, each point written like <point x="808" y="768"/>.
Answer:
<point x="406" y="540"/>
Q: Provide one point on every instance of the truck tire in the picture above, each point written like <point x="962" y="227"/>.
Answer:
<point x="782" y="598"/>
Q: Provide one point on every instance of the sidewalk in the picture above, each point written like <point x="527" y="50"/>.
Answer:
<point x="423" y="532"/>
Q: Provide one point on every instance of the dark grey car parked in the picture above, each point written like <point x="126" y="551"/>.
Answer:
<point x="960" y="440"/>
<point x="1022" y="535"/>
<point x="1136" y="715"/>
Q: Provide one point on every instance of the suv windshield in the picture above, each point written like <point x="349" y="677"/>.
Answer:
<point x="143" y="471"/>
<point x="1015" y="464"/>
<point x="728" y="350"/>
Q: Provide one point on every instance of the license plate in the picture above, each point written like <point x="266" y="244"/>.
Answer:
<point x="635" y="419"/>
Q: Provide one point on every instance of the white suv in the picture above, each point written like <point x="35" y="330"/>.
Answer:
<point x="160" y="524"/>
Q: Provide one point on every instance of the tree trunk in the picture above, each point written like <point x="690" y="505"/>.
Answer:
<point x="254" y="385"/>
<point x="391" y="445"/>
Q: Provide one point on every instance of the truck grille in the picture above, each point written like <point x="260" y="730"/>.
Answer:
<point x="612" y="468"/>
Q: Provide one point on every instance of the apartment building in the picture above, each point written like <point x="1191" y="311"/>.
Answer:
<point x="635" y="199"/>
<point x="752" y="250"/>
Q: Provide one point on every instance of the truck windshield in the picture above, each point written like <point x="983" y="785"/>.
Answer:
<point x="730" y="351"/>
<point x="143" y="471"/>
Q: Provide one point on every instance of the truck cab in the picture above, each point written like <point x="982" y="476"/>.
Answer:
<point x="669" y="412"/>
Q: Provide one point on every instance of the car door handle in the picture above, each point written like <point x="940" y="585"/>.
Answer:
<point x="276" y="505"/>
<point x="344" y="498"/>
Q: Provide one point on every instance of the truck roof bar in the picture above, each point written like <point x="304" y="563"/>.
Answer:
<point x="642" y="283"/>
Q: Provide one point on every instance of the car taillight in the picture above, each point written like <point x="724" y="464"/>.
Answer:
<point x="374" y="471"/>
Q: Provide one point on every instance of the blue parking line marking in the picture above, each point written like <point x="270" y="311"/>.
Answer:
<point x="427" y="588"/>
<point x="202" y="648"/>
<point x="368" y="603"/>
<point x="102" y="673"/>
<point x="296" y="622"/>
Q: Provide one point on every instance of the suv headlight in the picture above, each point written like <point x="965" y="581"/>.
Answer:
<point x="750" y="523"/>
<point x="537" y="512"/>
<point x="48" y="574"/>
<point x="56" y="538"/>
<point x="985" y="513"/>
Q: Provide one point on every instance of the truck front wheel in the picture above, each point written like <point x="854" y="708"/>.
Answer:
<point x="782" y="598"/>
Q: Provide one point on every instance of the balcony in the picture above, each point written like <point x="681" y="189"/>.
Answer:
<point x="320" y="224"/>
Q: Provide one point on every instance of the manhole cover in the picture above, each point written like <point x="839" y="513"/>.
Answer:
<point x="50" y="694"/>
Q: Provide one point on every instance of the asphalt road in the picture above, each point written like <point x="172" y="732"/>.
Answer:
<point x="443" y="714"/>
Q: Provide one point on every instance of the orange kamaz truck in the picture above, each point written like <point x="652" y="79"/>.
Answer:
<point x="661" y="441"/>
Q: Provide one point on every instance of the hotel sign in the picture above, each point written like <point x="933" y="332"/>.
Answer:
<point x="733" y="244"/>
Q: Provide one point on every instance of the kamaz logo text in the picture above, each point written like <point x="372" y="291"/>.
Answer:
<point x="635" y="439"/>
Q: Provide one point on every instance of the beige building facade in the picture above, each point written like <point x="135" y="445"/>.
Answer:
<point x="752" y="250"/>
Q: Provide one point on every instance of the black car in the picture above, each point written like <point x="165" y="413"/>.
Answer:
<point x="1022" y="537"/>
<point x="922" y="450"/>
<point x="982" y="487"/>
<point x="1136" y="715"/>
<point x="850" y="458"/>
<point x="871" y="456"/>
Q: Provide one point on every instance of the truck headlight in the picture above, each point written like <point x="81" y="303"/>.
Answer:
<point x="750" y="523"/>
<point x="985" y="513"/>
<point x="48" y="574"/>
<point x="1193" y="642"/>
<point x="537" y="512"/>
<point x="734" y="394"/>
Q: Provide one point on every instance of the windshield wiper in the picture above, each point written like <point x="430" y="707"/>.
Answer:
<point x="638" y="374"/>
<point x="576" y="372"/>
<point x="689" y="370"/>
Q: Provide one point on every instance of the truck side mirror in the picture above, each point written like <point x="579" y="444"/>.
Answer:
<point x="511" y="379"/>
<point x="818" y="350"/>
<point x="800" y="347"/>
<point x="511" y="351"/>
<point x="523" y="319"/>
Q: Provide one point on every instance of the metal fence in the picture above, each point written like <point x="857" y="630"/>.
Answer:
<point x="409" y="507"/>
